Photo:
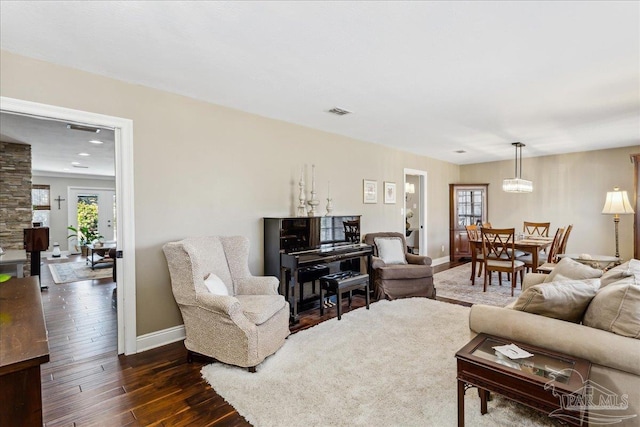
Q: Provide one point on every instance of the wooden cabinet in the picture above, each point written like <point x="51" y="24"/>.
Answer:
<point x="467" y="206"/>
<point x="24" y="346"/>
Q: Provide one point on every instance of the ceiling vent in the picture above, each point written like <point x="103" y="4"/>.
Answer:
<point x="338" y="111"/>
<point x="460" y="151"/>
<point x="81" y="167"/>
<point x="83" y="128"/>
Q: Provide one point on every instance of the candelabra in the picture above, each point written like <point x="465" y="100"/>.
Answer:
<point x="302" y="207"/>
<point x="329" y="200"/>
<point x="313" y="201"/>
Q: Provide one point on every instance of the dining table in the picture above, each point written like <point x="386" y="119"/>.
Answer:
<point x="529" y="244"/>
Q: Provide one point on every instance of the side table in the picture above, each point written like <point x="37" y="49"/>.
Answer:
<point x="544" y="381"/>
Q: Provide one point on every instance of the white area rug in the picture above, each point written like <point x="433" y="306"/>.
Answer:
<point x="392" y="365"/>
<point x="455" y="283"/>
<point x="67" y="272"/>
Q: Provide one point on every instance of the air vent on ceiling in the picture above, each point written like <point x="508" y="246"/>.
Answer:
<point x="83" y="128"/>
<point x="81" y="167"/>
<point x="338" y="111"/>
<point x="460" y="151"/>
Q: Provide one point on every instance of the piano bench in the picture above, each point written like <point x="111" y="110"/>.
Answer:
<point x="338" y="283"/>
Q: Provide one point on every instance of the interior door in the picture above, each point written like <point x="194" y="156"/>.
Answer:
<point x="104" y="199"/>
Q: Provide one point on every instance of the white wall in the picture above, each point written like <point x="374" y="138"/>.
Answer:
<point x="568" y="189"/>
<point x="202" y="169"/>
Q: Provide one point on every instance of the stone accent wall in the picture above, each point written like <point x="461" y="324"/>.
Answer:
<point x="15" y="193"/>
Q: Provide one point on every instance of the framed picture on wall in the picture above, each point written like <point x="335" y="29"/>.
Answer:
<point x="390" y="192"/>
<point x="370" y="191"/>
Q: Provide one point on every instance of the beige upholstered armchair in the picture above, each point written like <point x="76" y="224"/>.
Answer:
<point x="397" y="273"/>
<point x="228" y="314"/>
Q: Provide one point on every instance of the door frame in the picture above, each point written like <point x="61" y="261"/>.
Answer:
<point x="422" y="218"/>
<point x="123" y="132"/>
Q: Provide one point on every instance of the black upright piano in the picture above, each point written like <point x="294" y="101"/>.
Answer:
<point x="301" y="249"/>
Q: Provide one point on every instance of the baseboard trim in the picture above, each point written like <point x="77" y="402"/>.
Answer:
<point x="438" y="261"/>
<point x="159" y="338"/>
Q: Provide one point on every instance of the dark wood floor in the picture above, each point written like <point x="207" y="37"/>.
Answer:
<point x="86" y="383"/>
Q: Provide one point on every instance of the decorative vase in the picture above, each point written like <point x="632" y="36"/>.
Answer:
<point x="56" y="250"/>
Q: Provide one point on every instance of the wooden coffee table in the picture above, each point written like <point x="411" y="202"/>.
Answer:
<point x="542" y="381"/>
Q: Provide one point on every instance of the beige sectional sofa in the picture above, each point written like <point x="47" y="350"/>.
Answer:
<point x="611" y="341"/>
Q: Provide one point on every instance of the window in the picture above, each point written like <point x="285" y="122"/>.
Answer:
<point x="41" y="202"/>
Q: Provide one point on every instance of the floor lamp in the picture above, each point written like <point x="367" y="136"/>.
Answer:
<point x="617" y="204"/>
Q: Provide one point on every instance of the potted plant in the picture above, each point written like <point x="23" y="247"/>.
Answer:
<point x="83" y="236"/>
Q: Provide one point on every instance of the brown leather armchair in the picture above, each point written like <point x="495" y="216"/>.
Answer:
<point x="412" y="278"/>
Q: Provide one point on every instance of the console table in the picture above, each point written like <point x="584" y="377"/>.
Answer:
<point x="17" y="257"/>
<point x="23" y="348"/>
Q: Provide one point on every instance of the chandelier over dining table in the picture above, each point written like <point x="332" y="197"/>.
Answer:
<point x="517" y="184"/>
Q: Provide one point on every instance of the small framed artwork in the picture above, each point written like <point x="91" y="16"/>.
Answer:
<point x="390" y="192"/>
<point x="370" y="191"/>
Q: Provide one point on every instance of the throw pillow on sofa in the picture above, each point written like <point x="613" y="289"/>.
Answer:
<point x="564" y="300"/>
<point x="628" y="269"/>
<point x="573" y="270"/>
<point x="616" y="308"/>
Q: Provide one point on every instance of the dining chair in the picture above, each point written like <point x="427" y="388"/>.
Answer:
<point x="551" y="256"/>
<point x="552" y="259"/>
<point x="487" y="225"/>
<point x="565" y="239"/>
<point x="473" y="233"/>
<point x="536" y="228"/>
<point x="499" y="255"/>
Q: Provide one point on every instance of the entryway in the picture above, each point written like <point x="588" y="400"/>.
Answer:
<point x="125" y="232"/>
<point x="415" y="209"/>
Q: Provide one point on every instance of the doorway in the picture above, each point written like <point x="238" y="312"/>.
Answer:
<point x="104" y="202"/>
<point x="415" y="209"/>
<point x="125" y="235"/>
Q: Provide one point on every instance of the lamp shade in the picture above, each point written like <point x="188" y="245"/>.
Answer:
<point x="517" y="185"/>
<point x="409" y="188"/>
<point x="617" y="203"/>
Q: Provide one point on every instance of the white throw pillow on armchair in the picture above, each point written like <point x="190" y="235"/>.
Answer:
<point x="390" y="250"/>
<point x="215" y="285"/>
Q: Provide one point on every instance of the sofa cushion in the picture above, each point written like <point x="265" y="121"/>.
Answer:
<point x="564" y="300"/>
<point x="405" y="271"/>
<point x="215" y="285"/>
<point x="573" y="270"/>
<point x="629" y="268"/>
<point x="260" y="308"/>
<point x="390" y="250"/>
<point x="616" y="308"/>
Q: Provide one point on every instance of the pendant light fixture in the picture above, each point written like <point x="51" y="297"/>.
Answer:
<point x="517" y="184"/>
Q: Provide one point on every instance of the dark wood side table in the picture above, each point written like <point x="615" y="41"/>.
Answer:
<point x="543" y="381"/>
<point x="23" y="348"/>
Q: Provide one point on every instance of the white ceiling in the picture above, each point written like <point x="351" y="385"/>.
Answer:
<point x="426" y="77"/>
<point x="54" y="146"/>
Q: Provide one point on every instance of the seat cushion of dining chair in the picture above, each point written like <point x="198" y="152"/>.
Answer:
<point x="547" y="267"/>
<point x="518" y="252"/>
<point x="528" y="259"/>
<point x="503" y="264"/>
